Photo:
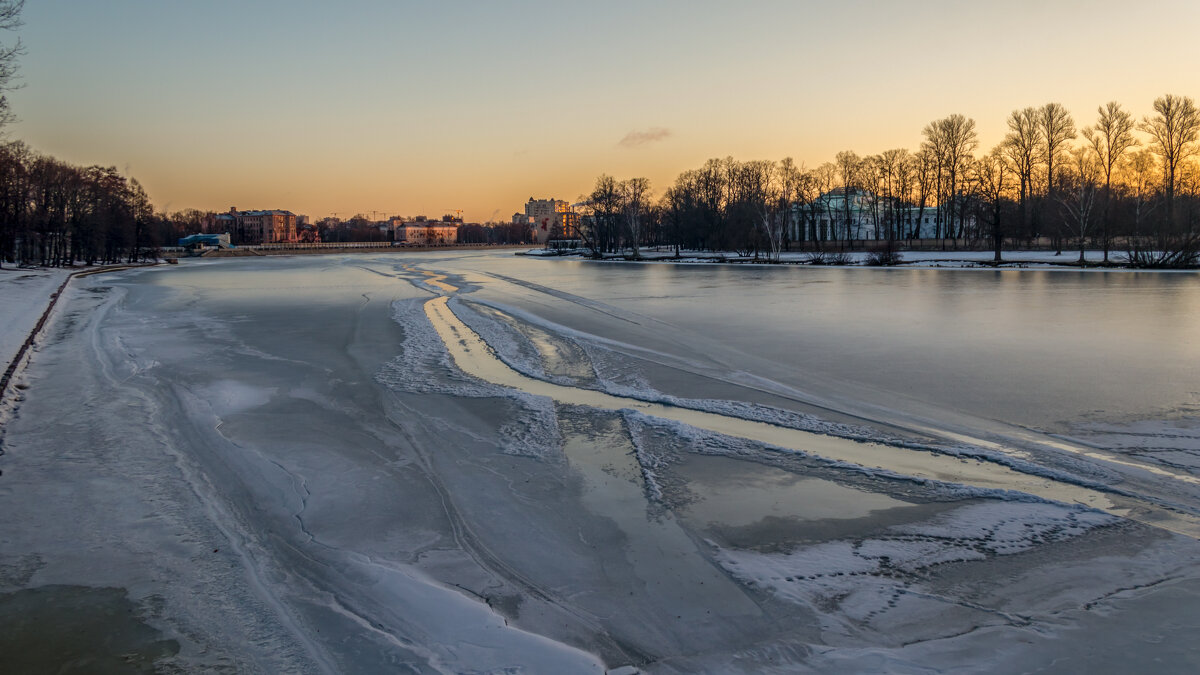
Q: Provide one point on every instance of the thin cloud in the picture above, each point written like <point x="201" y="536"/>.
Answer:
<point x="635" y="139"/>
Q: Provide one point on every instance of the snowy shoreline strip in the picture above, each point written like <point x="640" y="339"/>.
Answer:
<point x="41" y="323"/>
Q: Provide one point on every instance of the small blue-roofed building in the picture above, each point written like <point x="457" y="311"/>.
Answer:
<point x="199" y="240"/>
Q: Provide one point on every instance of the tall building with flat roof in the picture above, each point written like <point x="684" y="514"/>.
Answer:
<point x="551" y="218"/>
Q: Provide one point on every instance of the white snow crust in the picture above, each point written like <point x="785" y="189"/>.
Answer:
<point x="24" y="295"/>
<point x="424" y="366"/>
<point x="857" y="582"/>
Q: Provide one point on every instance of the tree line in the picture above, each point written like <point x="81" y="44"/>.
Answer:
<point x="1118" y="183"/>
<point x="54" y="213"/>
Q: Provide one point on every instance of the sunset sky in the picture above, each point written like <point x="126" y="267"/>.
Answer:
<point x="406" y="108"/>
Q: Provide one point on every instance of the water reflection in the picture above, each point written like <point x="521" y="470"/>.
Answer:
<point x="732" y="493"/>
<point x="665" y="559"/>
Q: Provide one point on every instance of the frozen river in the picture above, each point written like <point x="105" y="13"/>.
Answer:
<point x="480" y="462"/>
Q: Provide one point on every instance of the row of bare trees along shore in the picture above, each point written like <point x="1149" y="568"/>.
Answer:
<point x="1119" y="184"/>
<point x="1127" y="186"/>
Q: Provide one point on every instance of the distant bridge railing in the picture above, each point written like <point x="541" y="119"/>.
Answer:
<point x="314" y="245"/>
<point x="300" y="246"/>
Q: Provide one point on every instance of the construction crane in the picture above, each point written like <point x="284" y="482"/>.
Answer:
<point x="457" y="213"/>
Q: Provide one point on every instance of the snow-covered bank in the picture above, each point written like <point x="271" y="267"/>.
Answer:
<point x="24" y="296"/>
<point x="1015" y="259"/>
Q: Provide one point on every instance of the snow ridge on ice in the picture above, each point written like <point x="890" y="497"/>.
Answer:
<point x="704" y="442"/>
<point x="424" y="366"/>
<point x="649" y="461"/>
<point x="511" y="346"/>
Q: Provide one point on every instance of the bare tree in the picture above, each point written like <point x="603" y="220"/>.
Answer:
<point x="825" y="180"/>
<point x="1057" y="129"/>
<point x="1149" y="246"/>
<point x="681" y="207"/>
<point x="712" y="193"/>
<point x="603" y="210"/>
<point x="1021" y="147"/>
<point x="872" y="180"/>
<point x="750" y="187"/>
<point x="1188" y="196"/>
<point x="994" y="175"/>
<point x="848" y="165"/>
<point x="953" y="140"/>
<point x="926" y="175"/>
<point x="1173" y="131"/>
<point x="1109" y="140"/>
<point x="635" y="201"/>
<point x="1139" y="180"/>
<point x="762" y="188"/>
<point x="10" y="20"/>
<point x="1079" y="200"/>
<point x="961" y="142"/>
<point x="934" y="149"/>
<point x="791" y="193"/>
<point x="808" y="192"/>
<point x="896" y="169"/>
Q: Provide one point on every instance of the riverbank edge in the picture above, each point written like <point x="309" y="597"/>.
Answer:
<point x="259" y="252"/>
<point x="14" y="366"/>
<point x="860" y="259"/>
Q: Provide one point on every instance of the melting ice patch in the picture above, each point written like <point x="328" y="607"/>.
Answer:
<point x="228" y="397"/>
<point x="511" y="346"/>
<point x="424" y="366"/>
<point x="875" y="584"/>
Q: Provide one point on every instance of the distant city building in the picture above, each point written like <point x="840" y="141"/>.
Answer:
<point x="423" y="232"/>
<point x="308" y="234"/>
<point x="255" y="227"/>
<point x="551" y="219"/>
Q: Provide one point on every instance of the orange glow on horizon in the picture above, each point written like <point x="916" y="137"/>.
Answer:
<point x="389" y="126"/>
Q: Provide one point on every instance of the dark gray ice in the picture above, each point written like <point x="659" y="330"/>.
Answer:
<point x="279" y="465"/>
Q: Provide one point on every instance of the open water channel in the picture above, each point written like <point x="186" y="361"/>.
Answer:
<point x="454" y="462"/>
